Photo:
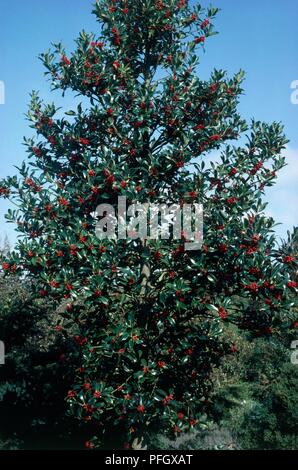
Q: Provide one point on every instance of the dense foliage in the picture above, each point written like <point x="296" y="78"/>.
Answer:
<point x="253" y="402"/>
<point x="148" y="316"/>
<point x="38" y="371"/>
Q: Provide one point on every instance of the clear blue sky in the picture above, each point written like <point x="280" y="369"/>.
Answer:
<point x="259" y="36"/>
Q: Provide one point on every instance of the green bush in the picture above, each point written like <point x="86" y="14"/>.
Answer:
<point x="257" y="395"/>
<point x="145" y="317"/>
<point x="39" y="365"/>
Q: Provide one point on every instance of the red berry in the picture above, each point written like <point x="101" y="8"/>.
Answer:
<point x="192" y="422"/>
<point x="200" y="39"/>
<point x="65" y="60"/>
<point x="205" y="23"/>
<point x="223" y="314"/>
<point x="199" y="127"/>
<point x="110" y="179"/>
<point x="223" y="248"/>
<point x="253" y="287"/>
<point x="36" y="151"/>
<point x="231" y="201"/>
<point x="288" y="259"/>
<point x="116" y="64"/>
<point x="84" y="141"/>
<point x="292" y="284"/>
<point x="89" y="445"/>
